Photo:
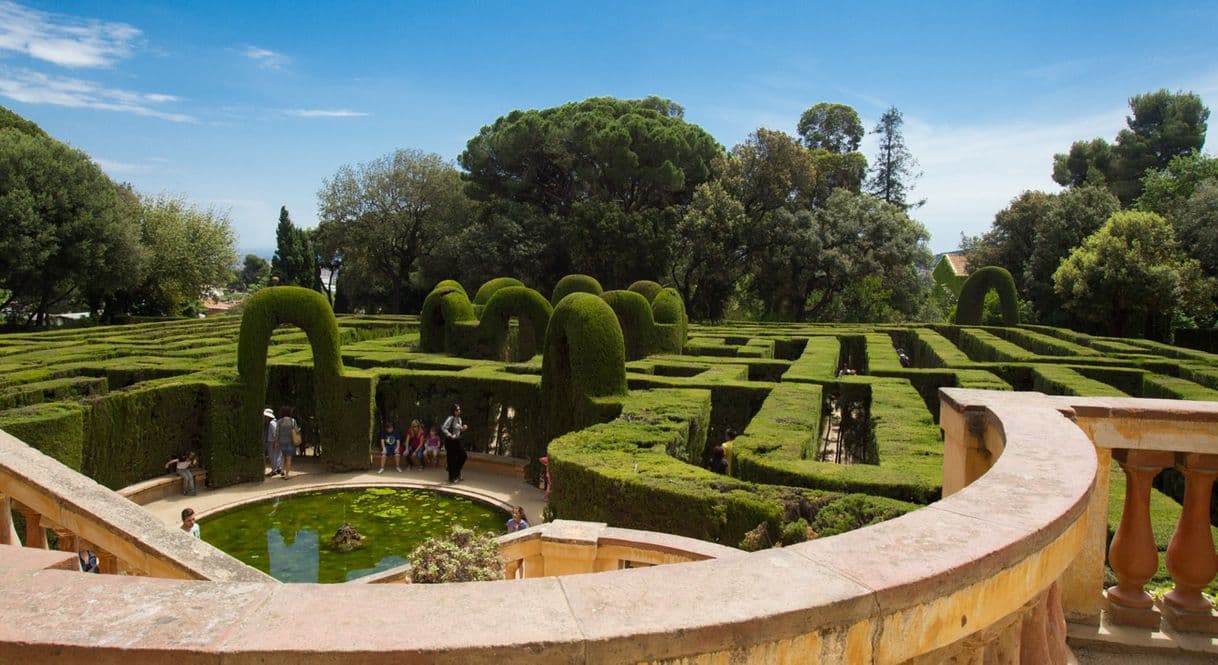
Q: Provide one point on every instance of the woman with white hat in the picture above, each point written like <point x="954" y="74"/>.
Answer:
<point x="270" y="437"/>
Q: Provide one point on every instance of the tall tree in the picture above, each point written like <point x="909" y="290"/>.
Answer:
<point x="254" y="269"/>
<point x="389" y="211"/>
<point x="769" y="171"/>
<point x="894" y="171"/>
<point x="709" y="257"/>
<point x="1129" y="275"/>
<point x="295" y="261"/>
<point x="832" y="127"/>
<point x="1163" y="125"/>
<point x="189" y="251"/>
<point x="1075" y="214"/>
<point x="65" y="228"/>
<point x="637" y="154"/>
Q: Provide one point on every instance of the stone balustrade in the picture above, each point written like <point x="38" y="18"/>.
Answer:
<point x="1144" y="437"/>
<point x="971" y="578"/>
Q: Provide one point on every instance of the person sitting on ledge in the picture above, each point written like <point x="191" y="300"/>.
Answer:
<point x="182" y="465"/>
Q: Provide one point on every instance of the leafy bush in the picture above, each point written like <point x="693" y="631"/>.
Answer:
<point x="461" y="556"/>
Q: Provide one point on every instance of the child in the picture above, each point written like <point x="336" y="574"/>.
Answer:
<point x="518" y="520"/>
<point x="414" y="445"/>
<point x="182" y="466"/>
<point x="431" y="450"/>
<point x="188" y="522"/>
<point x="389" y="446"/>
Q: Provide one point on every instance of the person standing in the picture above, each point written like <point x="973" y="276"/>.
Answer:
<point x="271" y="441"/>
<point x="454" y="451"/>
<point x="287" y="433"/>
<point x="189" y="525"/>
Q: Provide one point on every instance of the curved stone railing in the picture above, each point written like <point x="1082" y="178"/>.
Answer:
<point x="972" y="577"/>
<point x="565" y="547"/>
<point x="1144" y="436"/>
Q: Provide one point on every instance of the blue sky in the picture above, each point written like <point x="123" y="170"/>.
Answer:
<point x="246" y="106"/>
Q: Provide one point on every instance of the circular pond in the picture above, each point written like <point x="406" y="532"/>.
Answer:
<point x="289" y="537"/>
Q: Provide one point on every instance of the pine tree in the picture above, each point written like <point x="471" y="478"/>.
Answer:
<point x="295" y="262"/>
<point x="895" y="167"/>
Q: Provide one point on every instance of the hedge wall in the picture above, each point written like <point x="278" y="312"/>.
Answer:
<point x="575" y="284"/>
<point x="585" y="358"/>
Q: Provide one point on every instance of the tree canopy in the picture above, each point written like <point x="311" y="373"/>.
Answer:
<point x="1133" y="253"/>
<point x="895" y="169"/>
<point x="832" y="127"/>
<point x="1162" y="126"/>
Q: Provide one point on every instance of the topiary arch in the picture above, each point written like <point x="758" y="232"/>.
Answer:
<point x="583" y="366"/>
<point x="575" y="284"/>
<point x="307" y="309"/>
<point x="972" y="296"/>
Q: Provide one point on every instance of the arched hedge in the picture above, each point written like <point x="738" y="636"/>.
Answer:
<point x="636" y="320"/>
<point x="530" y="309"/>
<point x="672" y="323"/>
<point x="584" y="363"/>
<point x="575" y="284"/>
<point x="264" y="312"/>
<point x="490" y="287"/>
<point x="445" y="306"/>
<point x="972" y="296"/>
<point x="646" y="288"/>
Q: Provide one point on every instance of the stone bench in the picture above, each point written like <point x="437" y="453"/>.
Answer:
<point x="511" y="466"/>
<point x="160" y="487"/>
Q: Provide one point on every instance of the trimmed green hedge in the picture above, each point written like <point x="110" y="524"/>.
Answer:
<point x="646" y="288"/>
<point x="972" y="296"/>
<point x="584" y="359"/>
<point x="575" y="284"/>
<point x="491" y="286"/>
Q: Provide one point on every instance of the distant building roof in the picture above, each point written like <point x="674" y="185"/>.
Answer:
<point x="958" y="262"/>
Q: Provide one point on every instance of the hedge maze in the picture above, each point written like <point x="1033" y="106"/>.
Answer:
<point x="835" y="429"/>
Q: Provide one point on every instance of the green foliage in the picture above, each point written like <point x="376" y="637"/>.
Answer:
<point x="444" y="307"/>
<point x="584" y="359"/>
<point x="633" y="154"/>
<point x="382" y="215"/>
<point x="295" y="260"/>
<point x="1134" y="253"/>
<point x="529" y="307"/>
<point x="637" y="322"/>
<point x="1162" y="126"/>
<point x="706" y="258"/>
<point x="66" y="227"/>
<point x="462" y="556"/>
<point x="972" y="296"/>
<point x="895" y="169"/>
<point x="646" y="288"/>
<point x="189" y="251"/>
<point x="264" y="312"/>
<point x="54" y="428"/>
<point x="491" y="286"/>
<point x="832" y="127"/>
<point x="575" y="284"/>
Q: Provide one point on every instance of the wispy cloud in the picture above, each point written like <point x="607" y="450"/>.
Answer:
<point x="266" y="58"/>
<point x="33" y="87"/>
<point x="970" y="172"/>
<point x="116" y="167"/>
<point x="325" y="113"/>
<point x="67" y="41"/>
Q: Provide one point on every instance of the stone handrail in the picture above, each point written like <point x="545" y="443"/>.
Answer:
<point x="1144" y="436"/>
<point x="125" y="537"/>
<point x="972" y="577"/>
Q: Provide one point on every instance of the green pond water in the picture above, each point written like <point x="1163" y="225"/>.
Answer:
<point x="289" y="537"/>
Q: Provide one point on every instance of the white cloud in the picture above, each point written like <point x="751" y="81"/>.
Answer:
<point x="266" y="58"/>
<point x="970" y="172"/>
<point x="67" y="41"/>
<point x="33" y="87"/>
<point x="325" y="113"/>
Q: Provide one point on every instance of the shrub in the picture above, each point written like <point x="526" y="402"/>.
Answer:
<point x="585" y="358"/>
<point x="972" y="296"/>
<point x="646" y="288"/>
<point x="461" y="556"/>
<point x="575" y="284"/>
<point x="490" y="287"/>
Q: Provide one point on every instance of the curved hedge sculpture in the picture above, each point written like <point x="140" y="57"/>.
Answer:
<point x="646" y="288"/>
<point x="307" y="309"/>
<point x="528" y="306"/>
<point x="672" y="323"/>
<point x="972" y="296"/>
<point x="450" y="323"/>
<point x="584" y="363"/>
<point x="649" y="327"/>
<point x="445" y="306"/>
<point x="575" y="284"/>
<point x="490" y="287"/>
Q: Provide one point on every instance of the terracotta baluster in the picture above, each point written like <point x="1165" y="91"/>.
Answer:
<point x="67" y="539"/>
<point x="1133" y="555"/>
<point x="6" y="522"/>
<point x="1190" y="556"/>
<point x="35" y="533"/>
